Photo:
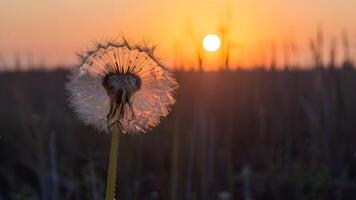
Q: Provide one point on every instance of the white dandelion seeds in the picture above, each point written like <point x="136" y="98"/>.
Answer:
<point x="118" y="84"/>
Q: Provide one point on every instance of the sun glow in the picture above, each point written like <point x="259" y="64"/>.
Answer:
<point x="211" y="42"/>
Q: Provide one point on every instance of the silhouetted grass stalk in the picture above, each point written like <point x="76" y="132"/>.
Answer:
<point x="175" y="160"/>
<point x="112" y="168"/>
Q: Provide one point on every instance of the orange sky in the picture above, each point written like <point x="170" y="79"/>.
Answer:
<point x="53" y="31"/>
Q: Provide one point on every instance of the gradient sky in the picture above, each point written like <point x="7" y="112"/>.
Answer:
<point x="52" y="31"/>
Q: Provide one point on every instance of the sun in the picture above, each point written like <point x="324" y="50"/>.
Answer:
<point x="211" y="42"/>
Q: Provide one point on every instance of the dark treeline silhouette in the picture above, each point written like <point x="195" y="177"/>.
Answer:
<point x="232" y="135"/>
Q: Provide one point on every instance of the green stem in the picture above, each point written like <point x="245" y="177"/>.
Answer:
<point x="112" y="171"/>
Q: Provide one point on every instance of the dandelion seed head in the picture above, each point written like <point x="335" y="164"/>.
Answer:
<point x="118" y="84"/>
<point x="126" y="82"/>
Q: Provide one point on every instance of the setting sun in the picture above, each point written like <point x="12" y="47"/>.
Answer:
<point x="211" y="42"/>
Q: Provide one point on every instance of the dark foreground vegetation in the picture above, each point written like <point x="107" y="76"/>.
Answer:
<point x="232" y="135"/>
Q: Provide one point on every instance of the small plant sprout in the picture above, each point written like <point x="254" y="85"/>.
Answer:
<point x="119" y="87"/>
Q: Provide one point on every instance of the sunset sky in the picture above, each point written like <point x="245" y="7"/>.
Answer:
<point x="53" y="31"/>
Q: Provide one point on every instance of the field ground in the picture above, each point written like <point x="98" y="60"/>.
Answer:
<point x="232" y="135"/>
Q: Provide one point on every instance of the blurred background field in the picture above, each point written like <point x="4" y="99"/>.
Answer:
<point x="244" y="134"/>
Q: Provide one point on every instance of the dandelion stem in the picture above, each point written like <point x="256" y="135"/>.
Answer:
<point x="112" y="170"/>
